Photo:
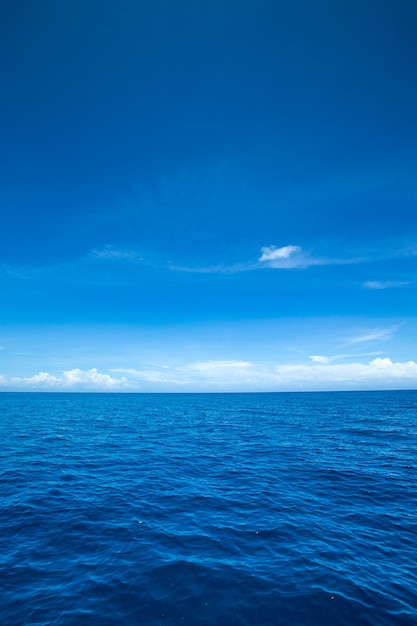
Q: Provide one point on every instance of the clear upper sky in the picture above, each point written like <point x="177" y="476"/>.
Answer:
<point x="208" y="195"/>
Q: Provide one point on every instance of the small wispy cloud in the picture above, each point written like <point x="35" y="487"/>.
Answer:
<point x="294" y="257"/>
<point x="110" y="253"/>
<point x="385" y="284"/>
<point x="271" y="253"/>
<point x="286" y="257"/>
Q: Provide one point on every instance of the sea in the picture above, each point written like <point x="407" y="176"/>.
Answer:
<point x="208" y="509"/>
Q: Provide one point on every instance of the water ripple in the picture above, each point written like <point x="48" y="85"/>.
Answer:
<point x="232" y="509"/>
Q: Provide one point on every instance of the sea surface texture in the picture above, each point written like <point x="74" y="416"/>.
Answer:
<point x="211" y="509"/>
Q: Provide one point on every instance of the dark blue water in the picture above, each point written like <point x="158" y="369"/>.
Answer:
<point x="208" y="509"/>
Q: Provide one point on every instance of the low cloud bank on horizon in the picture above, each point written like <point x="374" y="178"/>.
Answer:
<point x="379" y="373"/>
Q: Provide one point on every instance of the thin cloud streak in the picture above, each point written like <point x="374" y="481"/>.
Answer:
<point x="284" y="258"/>
<point x="378" y="334"/>
<point x="271" y="257"/>
<point x="214" y="269"/>
<point x="325" y="360"/>
<point x="110" y="253"/>
<point x="385" y="284"/>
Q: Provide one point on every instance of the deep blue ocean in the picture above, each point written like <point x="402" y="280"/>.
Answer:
<point x="208" y="509"/>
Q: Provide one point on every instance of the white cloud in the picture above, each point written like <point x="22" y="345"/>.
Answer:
<point x="380" y="373"/>
<point x="234" y="375"/>
<point x="77" y="377"/>
<point x="230" y="375"/>
<point x="287" y="257"/>
<point x="321" y="359"/>
<point x="385" y="284"/>
<point x="73" y="380"/>
<point x="271" y="253"/>
<point x="294" y="257"/>
<point x="43" y="379"/>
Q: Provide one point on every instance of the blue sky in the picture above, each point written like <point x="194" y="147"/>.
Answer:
<point x="208" y="196"/>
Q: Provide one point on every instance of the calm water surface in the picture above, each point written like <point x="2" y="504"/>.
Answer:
<point x="211" y="509"/>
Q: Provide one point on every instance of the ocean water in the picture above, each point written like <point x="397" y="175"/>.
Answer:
<point x="211" y="509"/>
